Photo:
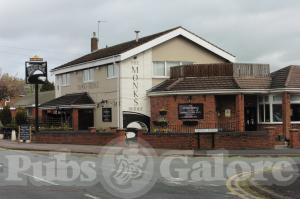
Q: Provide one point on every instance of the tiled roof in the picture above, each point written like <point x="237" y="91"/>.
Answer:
<point x="29" y="100"/>
<point x="254" y="83"/>
<point x="279" y="77"/>
<point x="288" y="77"/>
<point x="197" y="83"/>
<point x="70" y="99"/>
<point x="114" y="50"/>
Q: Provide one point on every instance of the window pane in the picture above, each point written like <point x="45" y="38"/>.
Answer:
<point x="295" y="112"/>
<point x="277" y="113"/>
<point x="267" y="113"/>
<point x="277" y="98"/>
<point x="266" y="99"/>
<point x="261" y="112"/>
<point x="171" y="64"/>
<point x="159" y="68"/>
<point x="110" y="71"/>
<point x="91" y="74"/>
<point x="295" y="98"/>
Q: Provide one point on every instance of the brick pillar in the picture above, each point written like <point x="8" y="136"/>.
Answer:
<point x="239" y="111"/>
<point x="286" y="114"/>
<point x="75" y="119"/>
<point x="294" y="138"/>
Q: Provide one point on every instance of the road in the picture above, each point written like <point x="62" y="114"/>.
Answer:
<point x="186" y="179"/>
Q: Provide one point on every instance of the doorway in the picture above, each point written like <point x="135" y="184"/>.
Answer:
<point x="250" y="118"/>
<point x="85" y="119"/>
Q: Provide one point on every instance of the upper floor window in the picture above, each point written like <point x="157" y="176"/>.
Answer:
<point x="111" y="71"/>
<point x="162" y="68"/>
<point x="88" y="75"/>
<point x="65" y="79"/>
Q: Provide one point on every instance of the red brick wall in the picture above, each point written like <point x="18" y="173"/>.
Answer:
<point x="295" y="138"/>
<point x="171" y="104"/>
<point x="83" y="138"/>
<point x="243" y="140"/>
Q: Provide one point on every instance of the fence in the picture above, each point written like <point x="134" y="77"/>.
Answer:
<point x="52" y="124"/>
<point x="230" y="126"/>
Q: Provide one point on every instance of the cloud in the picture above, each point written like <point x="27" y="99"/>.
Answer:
<point x="264" y="31"/>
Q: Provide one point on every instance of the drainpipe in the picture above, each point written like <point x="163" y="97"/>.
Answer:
<point x="118" y="94"/>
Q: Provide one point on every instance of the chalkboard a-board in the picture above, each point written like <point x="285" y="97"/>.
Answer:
<point x="24" y="132"/>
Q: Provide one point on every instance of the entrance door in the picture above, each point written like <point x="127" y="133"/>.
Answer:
<point x="250" y="119"/>
<point x="85" y="119"/>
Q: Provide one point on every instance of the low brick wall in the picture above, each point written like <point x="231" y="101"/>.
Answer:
<point x="82" y="138"/>
<point x="169" y="140"/>
<point x="295" y="138"/>
<point x="244" y="140"/>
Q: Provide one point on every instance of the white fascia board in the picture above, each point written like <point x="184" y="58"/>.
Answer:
<point x="87" y="65"/>
<point x="225" y="91"/>
<point x="215" y="91"/>
<point x="173" y="34"/>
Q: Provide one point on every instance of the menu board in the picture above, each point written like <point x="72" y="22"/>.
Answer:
<point x="190" y="111"/>
<point x="24" y="132"/>
<point x="106" y="115"/>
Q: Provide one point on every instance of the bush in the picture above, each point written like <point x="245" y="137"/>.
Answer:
<point x="5" y="116"/>
<point x="21" y="117"/>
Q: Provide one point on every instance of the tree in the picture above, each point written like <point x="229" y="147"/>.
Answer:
<point x="21" y="117"/>
<point x="10" y="86"/>
<point x="5" y="116"/>
<point x="48" y="86"/>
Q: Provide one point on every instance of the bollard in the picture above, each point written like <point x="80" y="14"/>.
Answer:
<point x="13" y="135"/>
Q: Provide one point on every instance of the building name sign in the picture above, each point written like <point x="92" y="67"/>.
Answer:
<point x="190" y="111"/>
<point x="106" y="114"/>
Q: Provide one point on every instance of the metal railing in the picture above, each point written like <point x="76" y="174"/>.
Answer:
<point x="228" y="126"/>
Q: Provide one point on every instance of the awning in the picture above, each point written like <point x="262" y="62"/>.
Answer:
<point x="70" y="101"/>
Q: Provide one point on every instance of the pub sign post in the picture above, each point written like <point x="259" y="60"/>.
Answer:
<point x="36" y="73"/>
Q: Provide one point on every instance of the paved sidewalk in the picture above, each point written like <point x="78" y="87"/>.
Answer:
<point x="93" y="149"/>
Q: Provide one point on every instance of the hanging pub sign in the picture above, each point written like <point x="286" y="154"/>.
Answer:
<point x="106" y="115"/>
<point x="190" y="111"/>
<point x="36" y="71"/>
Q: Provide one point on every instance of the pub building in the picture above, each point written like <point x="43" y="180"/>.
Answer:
<point x="227" y="97"/>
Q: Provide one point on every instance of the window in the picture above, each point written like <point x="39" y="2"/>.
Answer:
<point x="162" y="68"/>
<point x="159" y="68"/>
<point x="270" y="108"/>
<point x="65" y="79"/>
<point x="295" y="108"/>
<point x="277" y="113"/>
<point x="169" y="65"/>
<point x="111" y="71"/>
<point x="88" y="75"/>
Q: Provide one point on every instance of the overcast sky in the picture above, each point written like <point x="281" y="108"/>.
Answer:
<point x="264" y="31"/>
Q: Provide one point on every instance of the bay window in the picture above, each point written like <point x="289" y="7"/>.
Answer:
<point x="295" y="108"/>
<point x="270" y="108"/>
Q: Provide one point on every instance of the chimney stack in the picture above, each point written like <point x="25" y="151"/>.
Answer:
<point x="137" y="35"/>
<point x="94" y="42"/>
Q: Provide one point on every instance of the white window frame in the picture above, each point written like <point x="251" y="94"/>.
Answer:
<point x="166" y="68"/>
<point x="90" y="76"/>
<point x="64" y="79"/>
<point x="115" y="71"/>
<point x="270" y="103"/>
<point x="294" y="101"/>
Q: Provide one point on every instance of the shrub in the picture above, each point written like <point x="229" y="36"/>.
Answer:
<point x="5" y="116"/>
<point x="21" y="117"/>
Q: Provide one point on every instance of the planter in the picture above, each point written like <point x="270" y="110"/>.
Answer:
<point x="163" y="112"/>
<point x="190" y="123"/>
<point x="92" y="130"/>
